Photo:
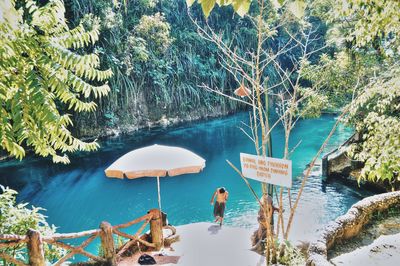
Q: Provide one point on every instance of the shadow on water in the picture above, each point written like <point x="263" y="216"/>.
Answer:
<point x="78" y="196"/>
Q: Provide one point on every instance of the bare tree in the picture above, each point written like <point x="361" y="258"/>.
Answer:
<point x="262" y="77"/>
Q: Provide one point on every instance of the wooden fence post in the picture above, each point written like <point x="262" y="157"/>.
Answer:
<point x="35" y="248"/>
<point x="156" y="228"/>
<point x="107" y="243"/>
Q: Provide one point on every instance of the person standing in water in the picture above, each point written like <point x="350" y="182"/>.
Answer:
<point x="221" y="195"/>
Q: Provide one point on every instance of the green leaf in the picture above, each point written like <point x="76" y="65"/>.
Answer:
<point x="224" y="2"/>
<point x="190" y="2"/>
<point x="207" y="6"/>
<point x="277" y="3"/>
<point x="241" y="6"/>
<point x="298" y="8"/>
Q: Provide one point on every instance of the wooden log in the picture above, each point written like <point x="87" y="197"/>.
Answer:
<point x="11" y="259"/>
<point x="170" y="227"/>
<point x="392" y="226"/>
<point x="132" y="237"/>
<point x="144" y="217"/>
<point x="10" y="237"/>
<point x="73" y="250"/>
<point x="156" y="228"/>
<point x="107" y="243"/>
<point x="170" y="240"/>
<point x="126" y="246"/>
<point x="10" y="244"/>
<point x="55" y="237"/>
<point x="35" y="248"/>
<point x="139" y="231"/>
<point x="147" y="244"/>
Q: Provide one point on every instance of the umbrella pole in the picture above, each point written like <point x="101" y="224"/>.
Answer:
<point x="159" y="194"/>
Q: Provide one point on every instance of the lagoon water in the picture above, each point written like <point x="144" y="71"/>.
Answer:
<point x="78" y="196"/>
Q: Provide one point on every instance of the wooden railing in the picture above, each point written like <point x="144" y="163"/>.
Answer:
<point x="34" y="241"/>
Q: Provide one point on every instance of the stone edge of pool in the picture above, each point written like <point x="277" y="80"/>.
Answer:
<point x="349" y="225"/>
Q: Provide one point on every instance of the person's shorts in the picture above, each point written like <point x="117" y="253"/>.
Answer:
<point x="219" y="209"/>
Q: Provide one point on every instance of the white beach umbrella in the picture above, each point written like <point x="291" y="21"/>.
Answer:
<point x="156" y="161"/>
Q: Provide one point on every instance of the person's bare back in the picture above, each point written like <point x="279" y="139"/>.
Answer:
<point x="222" y="197"/>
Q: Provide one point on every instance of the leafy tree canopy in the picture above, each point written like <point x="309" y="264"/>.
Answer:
<point x="371" y="19"/>
<point x="43" y="76"/>
<point x="376" y="115"/>
<point x="363" y="69"/>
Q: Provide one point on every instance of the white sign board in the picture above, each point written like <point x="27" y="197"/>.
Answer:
<point x="266" y="169"/>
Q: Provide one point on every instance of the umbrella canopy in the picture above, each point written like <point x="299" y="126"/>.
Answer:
<point x="156" y="161"/>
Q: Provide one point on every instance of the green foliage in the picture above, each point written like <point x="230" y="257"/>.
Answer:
<point x="18" y="218"/>
<point x="339" y="77"/>
<point x="376" y="115"/>
<point x="158" y="60"/>
<point x="363" y="70"/>
<point x="292" y="256"/>
<point x="313" y="104"/>
<point x="372" y="19"/>
<point x="42" y="74"/>
<point x="361" y="23"/>
<point x="155" y="31"/>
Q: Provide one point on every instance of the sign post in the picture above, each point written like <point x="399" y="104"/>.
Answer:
<point x="266" y="169"/>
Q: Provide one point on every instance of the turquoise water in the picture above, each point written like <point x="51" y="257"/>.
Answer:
<point x="79" y="196"/>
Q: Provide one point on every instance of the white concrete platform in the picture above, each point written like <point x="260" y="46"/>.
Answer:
<point x="207" y="244"/>
<point x="385" y="251"/>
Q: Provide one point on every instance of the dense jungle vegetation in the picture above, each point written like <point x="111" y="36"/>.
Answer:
<point x="158" y="61"/>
